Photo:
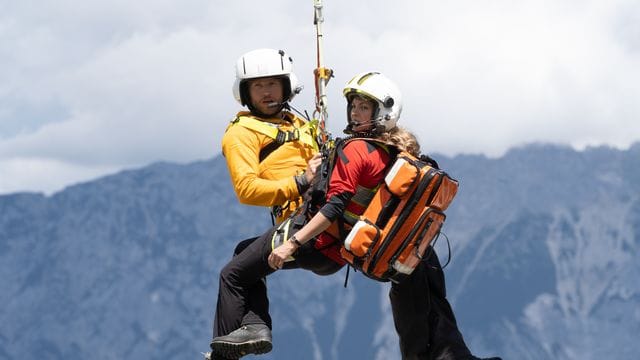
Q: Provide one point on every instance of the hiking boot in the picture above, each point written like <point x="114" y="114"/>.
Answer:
<point x="249" y="339"/>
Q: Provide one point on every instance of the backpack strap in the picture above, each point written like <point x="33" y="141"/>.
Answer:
<point x="315" y="197"/>
<point x="363" y="196"/>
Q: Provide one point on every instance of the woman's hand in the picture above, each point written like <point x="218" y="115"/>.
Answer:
<point x="281" y="253"/>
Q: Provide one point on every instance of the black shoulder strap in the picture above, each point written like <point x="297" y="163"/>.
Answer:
<point x="268" y="149"/>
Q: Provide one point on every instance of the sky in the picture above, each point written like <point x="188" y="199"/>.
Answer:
<point x="92" y="87"/>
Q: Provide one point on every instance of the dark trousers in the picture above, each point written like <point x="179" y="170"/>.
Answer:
<point x="423" y="316"/>
<point x="242" y="295"/>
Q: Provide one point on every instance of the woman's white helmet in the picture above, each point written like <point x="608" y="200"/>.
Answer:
<point x="264" y="63"/>
<point x="383" y="91"/>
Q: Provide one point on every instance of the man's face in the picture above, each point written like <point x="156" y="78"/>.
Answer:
<point x="266" y="94"/>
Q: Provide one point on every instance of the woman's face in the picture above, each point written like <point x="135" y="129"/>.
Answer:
<point x="361" y="111"/>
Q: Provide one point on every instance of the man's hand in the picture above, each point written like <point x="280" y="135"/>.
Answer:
<point x="312" y="166"/>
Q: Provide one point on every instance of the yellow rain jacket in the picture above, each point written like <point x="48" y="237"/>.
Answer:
<point x="269" y="182"/>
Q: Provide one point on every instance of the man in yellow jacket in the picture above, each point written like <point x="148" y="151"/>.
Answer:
<point x="271" y="153"/>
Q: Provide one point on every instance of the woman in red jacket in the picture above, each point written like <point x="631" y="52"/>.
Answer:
<point x="422" y="315"/>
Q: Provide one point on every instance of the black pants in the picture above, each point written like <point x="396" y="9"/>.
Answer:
<point x="423" y="316"/>
<point x="242" y="295"/>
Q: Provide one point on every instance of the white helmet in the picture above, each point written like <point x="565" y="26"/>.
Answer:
<point x="264" y="63"/>
<point x="383" y="91"/>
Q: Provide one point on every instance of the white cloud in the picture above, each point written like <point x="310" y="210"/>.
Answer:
<point x="45" y="175"/>
<point x="104" y="85"/>
<point x="139" y="101"/>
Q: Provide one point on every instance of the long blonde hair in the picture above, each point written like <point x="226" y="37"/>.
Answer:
<point x="402" y="139"/>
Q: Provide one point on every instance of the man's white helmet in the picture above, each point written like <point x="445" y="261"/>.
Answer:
<point x="383" y="91"/>
<point x="265" y="63"/>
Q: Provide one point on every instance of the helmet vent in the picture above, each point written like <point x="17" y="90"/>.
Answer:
<point x="281" y="52"/>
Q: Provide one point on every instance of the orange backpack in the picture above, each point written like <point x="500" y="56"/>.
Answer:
<point x="403" y="218"/>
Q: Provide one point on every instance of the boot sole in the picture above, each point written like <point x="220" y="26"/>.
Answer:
<point x="237" y="350"/>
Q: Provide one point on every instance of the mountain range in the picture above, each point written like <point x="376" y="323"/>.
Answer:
<point x="543" y="245"/>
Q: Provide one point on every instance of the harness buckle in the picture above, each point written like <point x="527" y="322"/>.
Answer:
<point x="294" y="135"/>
